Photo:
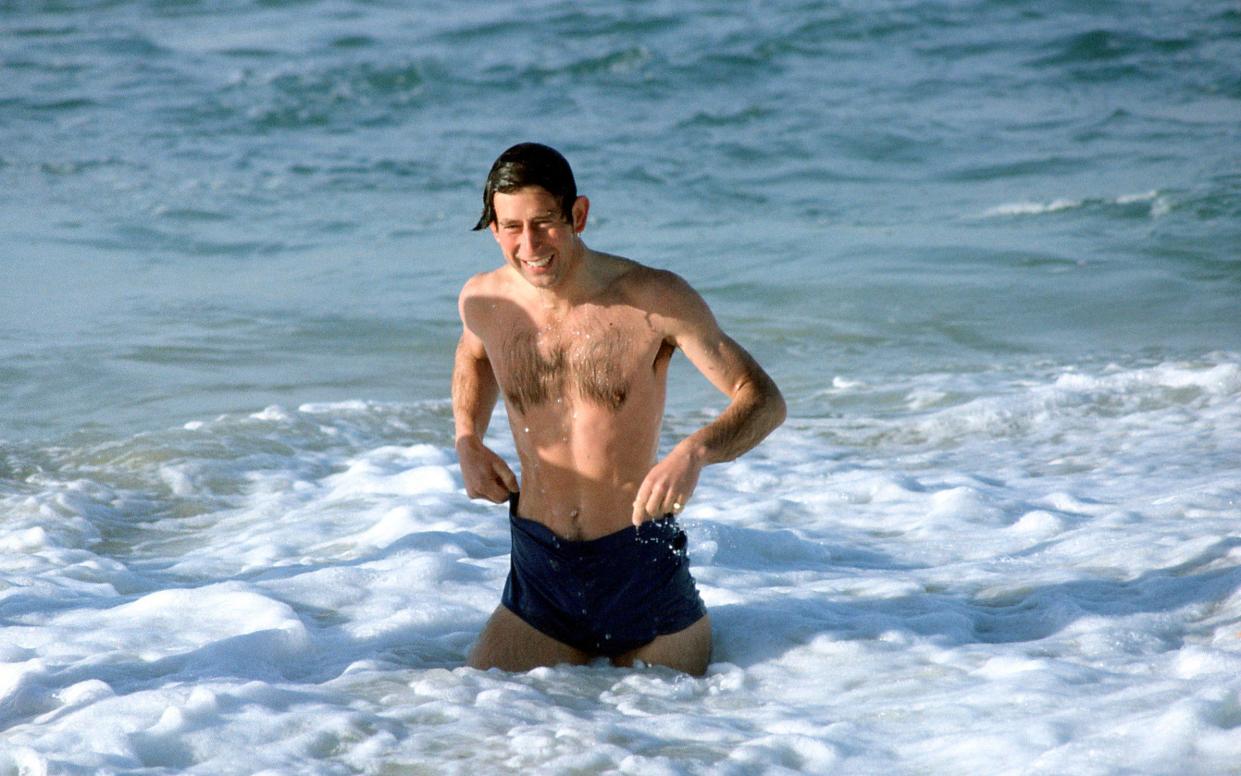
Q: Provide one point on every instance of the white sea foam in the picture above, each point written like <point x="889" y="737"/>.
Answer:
<point x="1041" y="571"/>
<point x="1158" y="205"/>
<point x="1033" y="208"/>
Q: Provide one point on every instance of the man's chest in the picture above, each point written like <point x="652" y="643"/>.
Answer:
<point x="596" y="360"/>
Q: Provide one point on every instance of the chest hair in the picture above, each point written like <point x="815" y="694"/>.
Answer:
<point x="589" y="365"/>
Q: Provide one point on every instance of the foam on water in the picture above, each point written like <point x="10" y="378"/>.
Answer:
<point x="1041" y="571"/>
<point x="988" y="251"/>
<point x="1151" y="203"/>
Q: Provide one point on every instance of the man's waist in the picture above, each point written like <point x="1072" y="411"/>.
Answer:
<point x="554" y="543"/>
<point x="574" y="517"/>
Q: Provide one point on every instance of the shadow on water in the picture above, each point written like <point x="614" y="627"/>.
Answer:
<point x="752" y="633"/>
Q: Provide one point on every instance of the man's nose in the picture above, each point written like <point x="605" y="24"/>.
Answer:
<point x="529" y="238"/>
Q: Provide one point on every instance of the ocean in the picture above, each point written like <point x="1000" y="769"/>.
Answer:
<point x="989" y="250"/>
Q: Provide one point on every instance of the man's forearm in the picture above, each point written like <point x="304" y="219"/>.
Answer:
<point x="756" y="410"/>
<point x="474" y="394"/>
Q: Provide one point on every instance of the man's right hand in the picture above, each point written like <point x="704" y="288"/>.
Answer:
<point x="486" y="474"/>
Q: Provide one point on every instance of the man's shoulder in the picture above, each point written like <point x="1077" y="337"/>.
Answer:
<point x="490" y="283"/>
<point x="477" y="302"/>
<point x="668" y="299"/>
<point x="648" y="282"/>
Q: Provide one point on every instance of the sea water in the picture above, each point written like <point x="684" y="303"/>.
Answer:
<point x="988" y="249"/>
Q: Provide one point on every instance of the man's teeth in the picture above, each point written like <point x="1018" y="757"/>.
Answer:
<point x="540" y="262"/>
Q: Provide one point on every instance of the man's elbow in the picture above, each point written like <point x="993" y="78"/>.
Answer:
<point x="777" y="408"/>
<point x="768" y="401"/>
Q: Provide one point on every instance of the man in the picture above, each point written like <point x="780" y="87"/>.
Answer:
<point x="579" y="342"/>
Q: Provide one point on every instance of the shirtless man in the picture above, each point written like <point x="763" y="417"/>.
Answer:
<point x="579" y="342"/>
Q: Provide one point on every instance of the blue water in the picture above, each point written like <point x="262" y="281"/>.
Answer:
<point x="216" y="206"/>
<point x="990" y="251"/>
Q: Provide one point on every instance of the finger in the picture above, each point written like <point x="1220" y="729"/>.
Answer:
<point x="507" y="478"/>
<point x="477" y="488"/>
<point x="498" y="493"/>
<point x="488" y="488"/>
<point x="639" y="514"/>
<point x="655" y="503"/>
<point x="493" y="482"/>
<point x="639" y="507"/>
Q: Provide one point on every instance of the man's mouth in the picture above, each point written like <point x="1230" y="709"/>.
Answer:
<point x="537" y="263"/>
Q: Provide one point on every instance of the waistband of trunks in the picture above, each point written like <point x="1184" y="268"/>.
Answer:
<point x="662" y="527"/>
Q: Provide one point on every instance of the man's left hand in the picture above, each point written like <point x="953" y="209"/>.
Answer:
<point x="668" y="485"/>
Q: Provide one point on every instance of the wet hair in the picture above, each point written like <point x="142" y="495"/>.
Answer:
<point x="529" y="164"/>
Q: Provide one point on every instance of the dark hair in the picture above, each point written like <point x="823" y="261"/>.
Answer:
<point x="529" y="164"/>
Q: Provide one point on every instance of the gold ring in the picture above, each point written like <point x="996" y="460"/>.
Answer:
<point x="677" y="506"/>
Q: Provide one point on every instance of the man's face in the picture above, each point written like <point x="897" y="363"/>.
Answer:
<point x="535" y="237"/>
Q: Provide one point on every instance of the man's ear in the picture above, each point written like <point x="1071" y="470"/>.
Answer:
<point x="581" y="210"/>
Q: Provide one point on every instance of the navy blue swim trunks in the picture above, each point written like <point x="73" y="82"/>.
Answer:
<point x="604" y="596"/>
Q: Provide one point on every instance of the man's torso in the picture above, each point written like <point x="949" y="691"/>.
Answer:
<point x="584" y="388"/>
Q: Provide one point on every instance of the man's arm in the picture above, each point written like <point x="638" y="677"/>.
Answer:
<point x="474" y="394"/>
<point x="755" y="406"/>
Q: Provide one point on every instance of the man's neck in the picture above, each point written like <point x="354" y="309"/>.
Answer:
<point x="583" y="284"/>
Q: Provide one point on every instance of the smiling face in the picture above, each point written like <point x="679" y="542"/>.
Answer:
<point x="537" y="239"/>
